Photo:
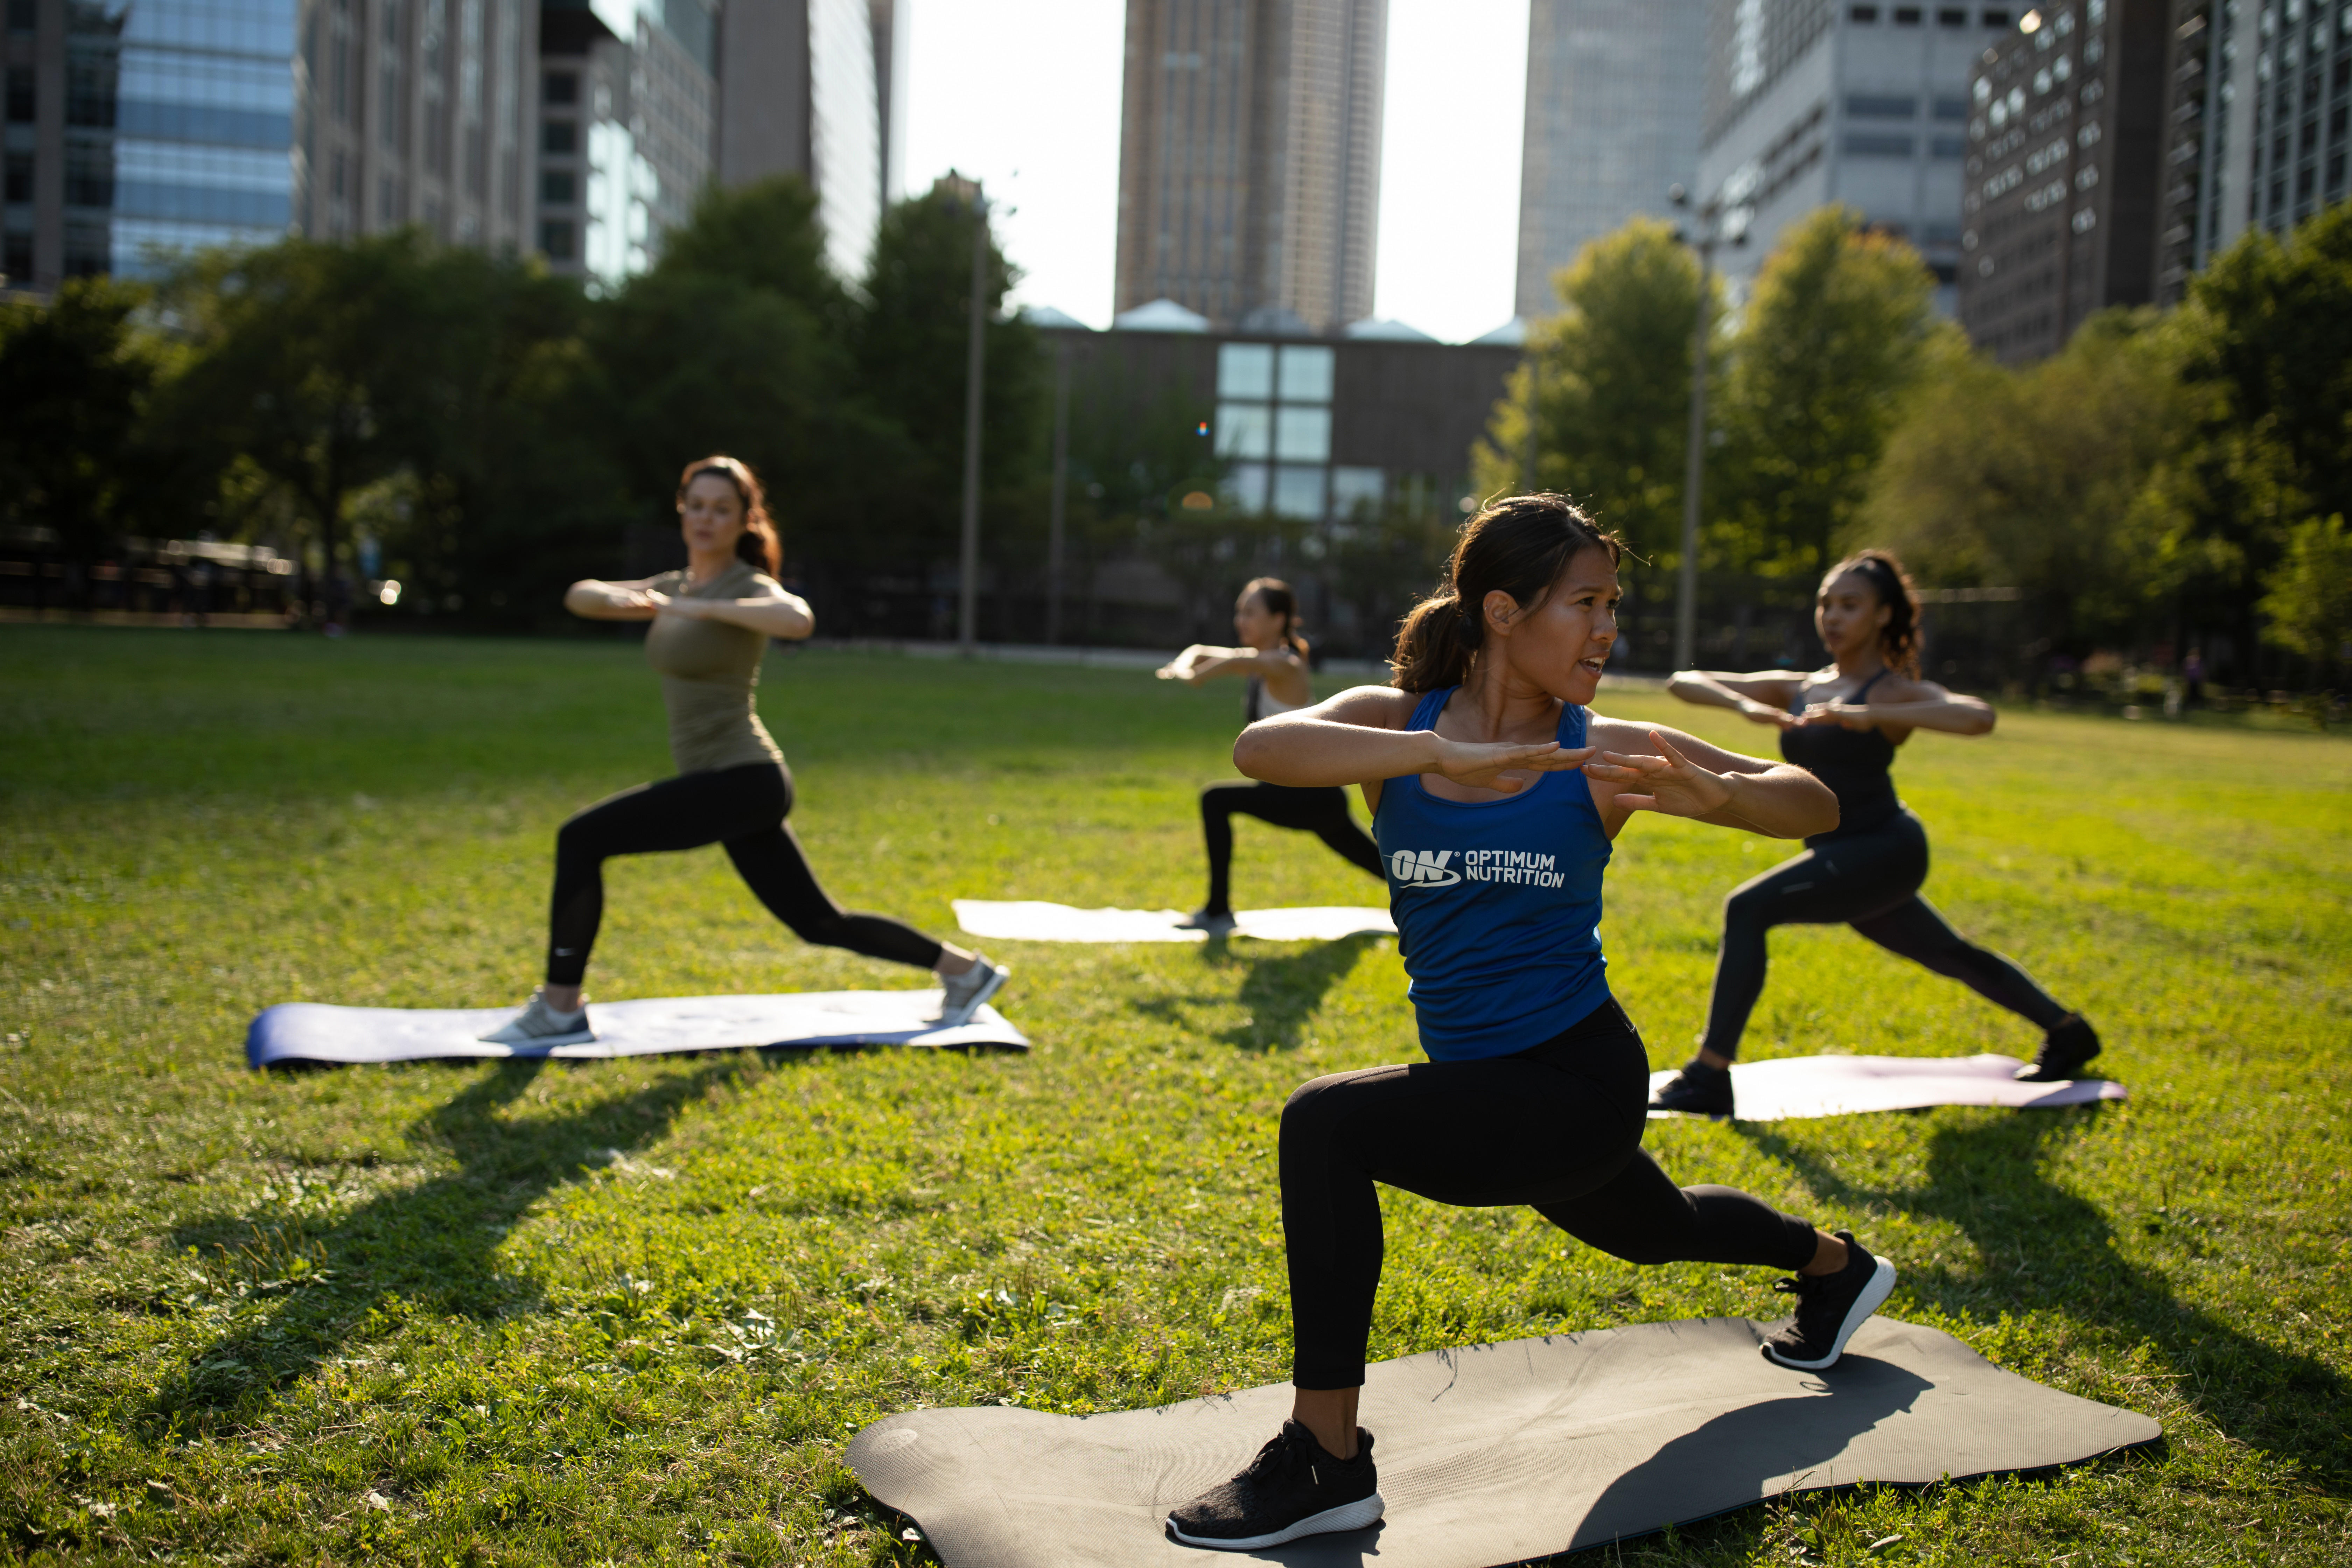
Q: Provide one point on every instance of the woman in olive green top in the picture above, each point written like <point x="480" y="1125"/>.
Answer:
<point x="712" y="623"/>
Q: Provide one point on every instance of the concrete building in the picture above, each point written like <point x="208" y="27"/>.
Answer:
<point x="2257" y="100"/>
<point x="1614" y="90"/>
<point x="1250" y="159"/>
<point x="137" y="130"/>
<point x="1811" y="101"/>
<point x="2065" y="135"/>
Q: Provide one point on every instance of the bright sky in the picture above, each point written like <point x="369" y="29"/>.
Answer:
<point x="1025" y="94"/>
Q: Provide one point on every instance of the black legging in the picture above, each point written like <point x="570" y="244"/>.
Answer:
<point x="742" y="807"/>
<point x="1869" y="880"/>
<point x="1557" y="1127"/>
<point x="1322" y="812"/>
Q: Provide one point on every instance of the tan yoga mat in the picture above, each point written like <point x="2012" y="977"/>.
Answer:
<point x="1495" y="1454"/>
<point x="1795" y="1087"/>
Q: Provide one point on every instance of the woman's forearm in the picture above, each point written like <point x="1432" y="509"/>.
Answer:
<point x="1952" y="715"/>
<point x="1309" y="753"/>
<point x="595" y="600"/>
<point x="1781" y="802"/>
<point x="1692" y="685"/>
<point x="787" y="618"/>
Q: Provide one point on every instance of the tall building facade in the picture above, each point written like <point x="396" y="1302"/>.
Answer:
<point x="2065" y="133"/>
<point x="1614" y="90"/>
<point x="1250" y="159"/>
<point x="139" y="128"/>
<point x="2255" y="125"/>
<point x="1813" y="101"/>
<point x="628" y="104"/>
<point x="817" y="88"/>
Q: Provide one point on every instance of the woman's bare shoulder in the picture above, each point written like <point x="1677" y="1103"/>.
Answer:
<point x="1374" y="707"/>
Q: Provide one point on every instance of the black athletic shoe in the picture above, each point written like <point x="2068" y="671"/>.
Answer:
<point x="1830" y="1309"/>
<point x="2064" y="1050"/>
<point x="1292" y="1488"/>
<point x="1699" y="1089"/>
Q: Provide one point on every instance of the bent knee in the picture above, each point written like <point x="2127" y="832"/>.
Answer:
<point x="1316" y="1107"/>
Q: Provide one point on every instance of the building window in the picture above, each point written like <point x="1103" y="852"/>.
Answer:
<point x="1303" y="435"/>
<point x="1952" y="16"/>
<point x="1863" y="105"/>
<point x="1245" y="485"/>
<point x="555" y="239"/>
<point x="20" y="177"/>
<point x="1355" y="490"/>
<point x="1300" y="492"/>
<point x="1864" y="14"/>
<point x="562" y="87"/>
<point x="22" y="96"/>
<point x="1952" y="109"/>
<point x="1947" y="147"/>
<point x="560" y="136"/>
<point x="1307" y="375"/>
<point x="1245" y="430"/>
<point x="1907" y="15"/>
<point x="1245" y="370"/>
<point x="90" y="175"/>
<point x="16" y="258"/>
<point x="558" y="188"/>
<point x="1872" y="144"/>
<point x="24" y="16"/>
<point x="1994" y="17"/>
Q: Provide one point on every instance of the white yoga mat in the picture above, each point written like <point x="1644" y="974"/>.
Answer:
<point x="1021" y="920"/>
<point x="1847" y="1086"/>
<point x="310" y="1032"/>
<point x="1495" y="1454"/>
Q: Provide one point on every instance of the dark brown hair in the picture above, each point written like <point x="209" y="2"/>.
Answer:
<point x="1898" y="639"/>
<point x="758" y="544"/>
<point x="1279" y="600"/>
<point x="1520" y="544"/>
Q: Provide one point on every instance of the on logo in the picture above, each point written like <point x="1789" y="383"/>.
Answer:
<point x="1423" y="868"/>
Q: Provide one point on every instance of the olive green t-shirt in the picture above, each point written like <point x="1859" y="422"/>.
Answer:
<point x="710" y="673"/>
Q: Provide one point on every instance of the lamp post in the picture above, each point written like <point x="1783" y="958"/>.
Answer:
<point x="1717" y="223"/>
<point x="1057" y="517"/>
<point x="975" y="369"/>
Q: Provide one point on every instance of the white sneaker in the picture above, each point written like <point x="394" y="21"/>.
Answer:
<point x="961" y="995"/>
<point x="541" y="1024"/>
<point x="1216" y="923"/>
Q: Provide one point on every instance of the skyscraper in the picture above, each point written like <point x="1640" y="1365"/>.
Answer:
<point x="817" y="88"/>
<point x="2065" y="130"/>
<point x="1250" y="159"/>
<point x="1813" y="101"/>
<point x="1614" y="88"/>
<point x="137" y="128"/>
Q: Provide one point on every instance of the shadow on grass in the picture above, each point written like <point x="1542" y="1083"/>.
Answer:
<point x="434" y="1245"/>
<point x="1280" y="991"/>
<point x="2048" y="1250"/>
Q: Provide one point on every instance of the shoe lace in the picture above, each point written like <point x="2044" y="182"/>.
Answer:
<point x="1281" y="1454"/>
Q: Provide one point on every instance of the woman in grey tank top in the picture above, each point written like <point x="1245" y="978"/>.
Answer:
<point x="712" y="624"/>
<point x="1273" y="657"/>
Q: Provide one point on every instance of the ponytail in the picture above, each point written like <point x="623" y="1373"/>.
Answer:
<point x="1279" y="599"/>
<point x="1898" y="639"/>
<point x="758" y="545"/>
<point x="1520" y="545"/>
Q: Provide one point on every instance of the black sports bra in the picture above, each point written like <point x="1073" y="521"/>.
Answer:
<point x="1854" y="763"/>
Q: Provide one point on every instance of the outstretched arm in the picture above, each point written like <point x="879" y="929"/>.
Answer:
<point x="777" y="612"/>
<point x="1360" y="737"/>
<point x="597" y="600"/>
<point x="1202" y="662"/>
<point x="1913" y="705"/>
<point x="1762" y="698"/>
<point x="1652" y="768"/>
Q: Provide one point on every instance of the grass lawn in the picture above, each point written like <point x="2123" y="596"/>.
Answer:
<point x="632" y="1310"/>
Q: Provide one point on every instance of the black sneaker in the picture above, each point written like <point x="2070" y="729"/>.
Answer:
<point x="1292" y="1488"/>
<point x="1830" y="1309"/>
<point x="2064" y="1050"/>
<point x="1699" y="1089"/>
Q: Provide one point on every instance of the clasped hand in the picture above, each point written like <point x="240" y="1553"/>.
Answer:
<point x="1670" y="782"/>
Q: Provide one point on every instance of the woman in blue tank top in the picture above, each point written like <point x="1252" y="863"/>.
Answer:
<point x="1843" y="723"/>
<point x="1495" y="794"/>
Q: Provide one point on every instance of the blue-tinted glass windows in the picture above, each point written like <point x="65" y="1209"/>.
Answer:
<point x="23" y="97"/>
<point x="20" y="177"/>
<point x="560" y="136"/>
<point x="1305" y="375"/>
<point x="1245" y="430"/>
<point x="1245" y="370"/>
<point x="1299" y="493"/>
<point x="1273" y="406"/>
<point x="1303" y="435"/>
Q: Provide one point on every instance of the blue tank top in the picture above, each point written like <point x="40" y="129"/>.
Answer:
<point x="1498" y="904"/>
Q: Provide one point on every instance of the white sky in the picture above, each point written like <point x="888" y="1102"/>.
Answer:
<point x="1025" y="93"/>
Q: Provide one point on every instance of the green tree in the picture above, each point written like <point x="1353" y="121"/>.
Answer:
<point x="76" y="375"/>
<point x="909" y="345"/>
<point x="2309" y="601"/>
<point x="1837" y="332"/>
<point x="2045" y="477"/>
<point x="1610" y="381"/>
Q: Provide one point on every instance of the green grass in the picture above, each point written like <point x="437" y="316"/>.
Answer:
<point x="630" y="1311"/>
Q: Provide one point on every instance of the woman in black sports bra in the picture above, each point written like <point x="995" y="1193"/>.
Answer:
<point x="1843" y="723"/>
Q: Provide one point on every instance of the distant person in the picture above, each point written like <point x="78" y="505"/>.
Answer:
<point x="1273" y="655"/>
<point x="1843" y="723"/>
<point x="2192" y="679"/>
<point x="1498" y="793"/>
<point x="712" y="623"/>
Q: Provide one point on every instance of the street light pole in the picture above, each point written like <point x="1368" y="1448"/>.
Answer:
<point x="1057" y="517"/>
<point x="975" y="368"/>
<point x="1710" y="222"/>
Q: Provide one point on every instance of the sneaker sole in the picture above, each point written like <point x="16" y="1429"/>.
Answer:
<point x="1347" y="1516"/>
<point x="1873" y="1296"/>
<point x="2054" y="1074"/>
<point x="995" y="983"/>
<point x="577" y="1037"/>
